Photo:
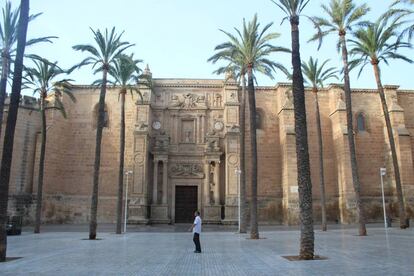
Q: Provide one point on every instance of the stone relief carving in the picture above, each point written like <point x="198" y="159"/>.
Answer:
<point x="340" y="104"/>
<point x="187" y="170"/>
<point x="341" y="96"/>
<point x="233" y="128"/>
<point x="162" y="142"/>
<point x="288" y="98"/>
<point x="187" y="100"/>
<point x="217" y="100"/>
<point x="141" y="126"/>
<point x="145" y="98"/>
<point x="233" y="160"/>
<point x="212" y="144"/>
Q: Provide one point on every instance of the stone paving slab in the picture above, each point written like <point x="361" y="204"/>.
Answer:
<point x="224" y="253"/>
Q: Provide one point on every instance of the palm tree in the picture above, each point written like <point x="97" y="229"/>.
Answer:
<point x="316" y="75"/>
<point x="343" y="16"/>
<point x="11" y="124"/>
<point x="375" y="43"/>
<point x="126" y="74"/>
<point x="293" y="9"/>
<point x="249" y="49"/>
<point x="235" y="66"/>
<point x="403" y="2"/>
<point x="399" y="11"/>
<point x="8" y="39"/>
<point x="103" y="57"/>
<point x="8" y="36"/>
<point x="41" y="79"/>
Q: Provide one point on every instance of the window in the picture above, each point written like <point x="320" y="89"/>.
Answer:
<point x="361" y="123"/>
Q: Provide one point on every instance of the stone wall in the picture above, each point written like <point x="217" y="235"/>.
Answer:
<point x="71" y="145"/>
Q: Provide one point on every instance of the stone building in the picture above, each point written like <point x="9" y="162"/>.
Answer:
<point x="182" y="146"/>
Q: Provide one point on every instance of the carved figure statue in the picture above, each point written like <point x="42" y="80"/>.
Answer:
<point x="217" y="100"/>
<point x="188" y="136"/>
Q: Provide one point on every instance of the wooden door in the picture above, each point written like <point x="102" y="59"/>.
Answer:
<point x="186" y="199"/>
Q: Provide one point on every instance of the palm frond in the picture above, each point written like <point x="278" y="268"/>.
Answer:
<point x="249" y="47"/>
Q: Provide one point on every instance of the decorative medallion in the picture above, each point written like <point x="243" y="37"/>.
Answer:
<point x="139" y="158"/>
<point x="218" y="125"/>
<point x="156" y="125"/>
<point x="233" y="160"/>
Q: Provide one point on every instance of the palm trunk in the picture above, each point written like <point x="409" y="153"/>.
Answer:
<point x="11" y="125"/>
<point x="41" y="167"/>
<point x="5" y="67"/>
<point x="121" y="165"/>
<point x="254" y="228"/>
<point x="303" y="168"/>
<point x="397" y="175"/>
<point x="243" y="213"/>
<point x="321" y="171"/>
<point x="351" y="141"/>
<point x="97" y="164"/>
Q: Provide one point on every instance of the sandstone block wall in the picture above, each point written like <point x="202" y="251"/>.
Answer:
<point x="71" y="145"/>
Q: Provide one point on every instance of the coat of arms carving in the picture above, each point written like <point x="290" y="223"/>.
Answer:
<point x="187" y="100"/>
<point x="187" y="171"/>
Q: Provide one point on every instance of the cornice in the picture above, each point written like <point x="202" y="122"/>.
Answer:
<point x="189" y="83"/>
<point x="220" y="84"/>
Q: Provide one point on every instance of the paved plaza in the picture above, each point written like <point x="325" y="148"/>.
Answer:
<point x="169" y="251"/>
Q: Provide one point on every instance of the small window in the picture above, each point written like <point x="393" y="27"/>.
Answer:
<point x="361" y="123"/>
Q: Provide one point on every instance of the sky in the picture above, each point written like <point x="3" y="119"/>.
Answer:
<point x="177" y="37"/>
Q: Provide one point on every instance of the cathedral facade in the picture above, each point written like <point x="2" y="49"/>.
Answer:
<point x="183" y="154"/>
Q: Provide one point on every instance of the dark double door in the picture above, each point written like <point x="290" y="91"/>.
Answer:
<point x="186" y="199"/>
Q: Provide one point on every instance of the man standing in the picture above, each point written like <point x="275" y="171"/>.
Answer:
<point x="196" y="228"/>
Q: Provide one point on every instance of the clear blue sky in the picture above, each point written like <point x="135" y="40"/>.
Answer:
<point x="177" y="37"/>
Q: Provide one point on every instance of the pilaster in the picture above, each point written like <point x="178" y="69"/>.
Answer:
<point x="288" y="156"/>
<point x="403" y="147"/>
<point x="232" y="149"/>
<point x="139" y="192"/>
<point x="346" y="200"/>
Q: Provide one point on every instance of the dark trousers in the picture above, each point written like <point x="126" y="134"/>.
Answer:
<point x="196" y="240"/>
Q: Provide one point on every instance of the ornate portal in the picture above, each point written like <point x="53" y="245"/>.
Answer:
<point x="193" y="130"/>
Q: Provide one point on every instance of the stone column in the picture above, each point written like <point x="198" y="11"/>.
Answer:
<point x="155" y="185"/>
<point x="165" y="182"/>
<point x="207" y="183"/>
<point x="217" y="183"/>
<point x="197" y="129"/>
<point x="202" y="128"/>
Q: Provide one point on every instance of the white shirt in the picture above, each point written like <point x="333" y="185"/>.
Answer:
<point x="197" y="227"/>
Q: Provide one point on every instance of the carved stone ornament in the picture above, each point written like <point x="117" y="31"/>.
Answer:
<point x="187" y="100"/>
<point x="233" y="128"/>
<point x="187" y="171"/>
<point x="142" y="126"/>
<point x="162" y="142"/>
<point x="212" y="144"/>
